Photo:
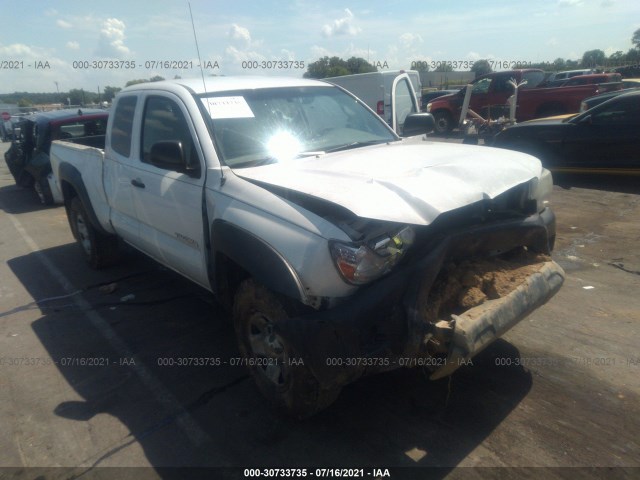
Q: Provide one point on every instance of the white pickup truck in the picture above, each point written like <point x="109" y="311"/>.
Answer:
<point x="341" y="248"/>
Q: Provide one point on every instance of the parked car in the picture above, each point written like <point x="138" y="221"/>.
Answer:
<point x="630" y="82"/>
<point x="604" y="139"/>
<point x="341" y="248"/>
<point x="591" y="102"/>
<point x="566" y="74"/>
<point x="606" y="81"/>
<point x="429" y="96"/>
<point x="491" y="92"/>
<point x="28" y="156"/>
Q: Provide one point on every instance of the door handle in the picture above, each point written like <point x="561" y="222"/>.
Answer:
<point x="136" y="182"/>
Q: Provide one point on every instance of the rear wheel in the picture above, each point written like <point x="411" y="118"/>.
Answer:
<point x="273" y="362"/>
<point x="100" y="250"/>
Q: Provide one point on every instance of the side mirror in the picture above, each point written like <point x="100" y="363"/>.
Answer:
<point x="417" y="124"/>
<point x="169" y="155"/>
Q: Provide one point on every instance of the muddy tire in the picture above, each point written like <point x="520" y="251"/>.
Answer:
<point x="289" y="386"/>
<point x="443" y="123"/>
<point x="99" y="250"/>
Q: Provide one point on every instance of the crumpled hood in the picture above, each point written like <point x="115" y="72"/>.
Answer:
<point x="406" y="182"/>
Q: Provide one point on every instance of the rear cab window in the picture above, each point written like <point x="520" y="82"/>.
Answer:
<point x="122" y="128"/>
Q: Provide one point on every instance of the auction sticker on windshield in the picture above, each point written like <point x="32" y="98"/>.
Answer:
<point x="228" y="107"/>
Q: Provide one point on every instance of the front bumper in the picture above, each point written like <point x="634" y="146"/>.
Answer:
<point x="381" y="328"/>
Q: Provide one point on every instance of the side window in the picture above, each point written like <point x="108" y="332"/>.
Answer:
<point x="404" y="102"/>
<point x="624" y="112"/>
<point x="163" y="120"/>
<point x="481" y="86"/>
<point x="123" y="125"/>
<point x="536" y="78"/>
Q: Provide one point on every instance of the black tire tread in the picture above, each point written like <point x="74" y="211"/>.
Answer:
<point x="303" y="397"/>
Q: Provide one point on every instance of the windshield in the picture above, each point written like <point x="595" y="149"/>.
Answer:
<point x="257" y="127"/>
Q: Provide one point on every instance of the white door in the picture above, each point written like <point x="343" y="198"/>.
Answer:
<point x="403" y="102"/>
<point x="121" y="153"/>
<point x="168" y="203"/>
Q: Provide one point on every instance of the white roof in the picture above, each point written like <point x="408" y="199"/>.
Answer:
<point x="221" y="84"/>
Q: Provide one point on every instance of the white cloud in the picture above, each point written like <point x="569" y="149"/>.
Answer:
<point x="51" y="12"/>
<point x="239" y="33"/>
<point x="238" y="56"/>
<point x="410" y="39"/>
<point x="552" y="42"/>
<point x="63" y="24"/>
<point x="570" y="3"/>
<point x="341" y="26"/>
<point x="73" y="45"/>
<point x="20" y="50"/>
<point x="111" y="42"/>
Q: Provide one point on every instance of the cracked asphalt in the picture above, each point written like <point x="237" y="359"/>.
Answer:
<point x="89" y="379"/>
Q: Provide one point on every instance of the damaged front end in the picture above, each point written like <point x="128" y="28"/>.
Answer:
<point x="475" y="301"/>
<point x="459" y="290"/>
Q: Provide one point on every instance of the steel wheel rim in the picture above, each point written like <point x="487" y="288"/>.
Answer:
<point x="268" y="350"/>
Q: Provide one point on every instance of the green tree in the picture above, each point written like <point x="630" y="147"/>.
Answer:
<point x="157" y="78"/>
<point x="481" y="67"/>
<point x="77" y="96"/>
<point x="336" y="67"/>
<point x="559" y="64"/>
<point x="109" y="93"/>
<point x="593" y="58"/>
<point x="24" y="102"/>
<point x="359" y="65"/>
<point x="636" y="39"/>
<point x="136" y="82"/>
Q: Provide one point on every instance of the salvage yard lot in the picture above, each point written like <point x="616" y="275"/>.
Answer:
<point x="88" y="380"/>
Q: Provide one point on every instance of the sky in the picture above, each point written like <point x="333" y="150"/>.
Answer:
<point x="66" y="44"/>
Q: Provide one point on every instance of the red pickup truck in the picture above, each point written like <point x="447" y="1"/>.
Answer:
<point x="490" y="93"/>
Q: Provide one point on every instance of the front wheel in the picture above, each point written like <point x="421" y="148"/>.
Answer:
<point x="100" y="250"/>
<point x="275" y="366"/>
<point x="443" y="123"/>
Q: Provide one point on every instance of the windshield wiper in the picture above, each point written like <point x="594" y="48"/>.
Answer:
<point x="348" y="146"/>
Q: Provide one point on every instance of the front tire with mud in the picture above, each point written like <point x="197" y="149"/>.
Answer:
<point x="274" y="364"/>
<point x="100" y="250"/>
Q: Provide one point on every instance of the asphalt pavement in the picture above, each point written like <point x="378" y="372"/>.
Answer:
<point x="89" y="376"/>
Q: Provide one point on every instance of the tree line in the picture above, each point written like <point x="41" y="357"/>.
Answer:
<point x="627" y="63"/>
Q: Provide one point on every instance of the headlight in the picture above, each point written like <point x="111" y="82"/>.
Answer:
<point x="360" y="264"/>
<point x="429" y="107"/>
<point x="542" y="189"/>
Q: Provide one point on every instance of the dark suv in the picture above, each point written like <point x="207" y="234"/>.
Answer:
<point x="28" y="156"/>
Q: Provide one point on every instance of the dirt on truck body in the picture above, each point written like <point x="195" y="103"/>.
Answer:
<point x="465" y="291"/>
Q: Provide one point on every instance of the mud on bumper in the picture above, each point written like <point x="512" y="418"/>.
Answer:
<point x="383" y="326"/>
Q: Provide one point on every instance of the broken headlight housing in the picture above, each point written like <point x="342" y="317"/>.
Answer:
<point x="360" y="264"/>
